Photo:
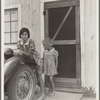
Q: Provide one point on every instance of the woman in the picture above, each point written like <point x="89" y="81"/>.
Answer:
<point x="27" y="47"/>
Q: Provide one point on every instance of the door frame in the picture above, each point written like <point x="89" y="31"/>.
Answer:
<point x="67" y="82"/>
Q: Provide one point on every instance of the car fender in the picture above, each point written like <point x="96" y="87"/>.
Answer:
<point x="11" y="65"/>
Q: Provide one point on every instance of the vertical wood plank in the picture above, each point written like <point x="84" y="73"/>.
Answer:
<point x="46" y="26"/>
<point x="10" y="27"/>
<point x="13" y="2"/>
<point x="19" y="1"/>
<point x="6" y="3"/>
<point x="78" y="58"/>
<point x="35" y="23"/>
<point x="25" y="18"/>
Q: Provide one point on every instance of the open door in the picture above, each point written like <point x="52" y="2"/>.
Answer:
<point x="62" y="25"/>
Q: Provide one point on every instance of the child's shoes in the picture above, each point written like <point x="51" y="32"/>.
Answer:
<point x="51" y="94"/>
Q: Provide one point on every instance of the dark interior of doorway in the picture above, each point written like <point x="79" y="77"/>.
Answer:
<point x="67" y="53"/>
<point x="56" y="16"/>
<point x="66" y="61"/>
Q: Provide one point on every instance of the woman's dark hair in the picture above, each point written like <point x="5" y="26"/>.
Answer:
<point x="24" y="30"/>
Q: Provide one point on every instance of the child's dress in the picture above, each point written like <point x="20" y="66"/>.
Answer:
<point x="49" y="62"/>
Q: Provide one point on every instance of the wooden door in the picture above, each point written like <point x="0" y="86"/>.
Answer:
<point x="62" y="25"/>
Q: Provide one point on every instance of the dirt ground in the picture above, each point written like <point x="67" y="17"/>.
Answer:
<point x="62" y="96"/>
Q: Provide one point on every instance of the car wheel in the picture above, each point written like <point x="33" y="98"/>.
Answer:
<point x="22" y="85"/>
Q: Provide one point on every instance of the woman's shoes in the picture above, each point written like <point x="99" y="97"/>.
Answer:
<point x="42" y="97"/>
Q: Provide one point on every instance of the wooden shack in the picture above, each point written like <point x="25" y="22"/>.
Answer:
<point x="72" y="24"/>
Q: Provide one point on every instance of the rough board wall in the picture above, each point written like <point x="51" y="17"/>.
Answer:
<point x="90" y="39"/>
<point x="30" y="17"/>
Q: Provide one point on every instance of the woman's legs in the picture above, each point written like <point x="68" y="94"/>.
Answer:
<point x="41" y="83"/>
<point x="39" y="76"/>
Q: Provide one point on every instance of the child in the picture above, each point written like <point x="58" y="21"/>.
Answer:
<point x="50" y="58"/>
<point x="27" y="47"/>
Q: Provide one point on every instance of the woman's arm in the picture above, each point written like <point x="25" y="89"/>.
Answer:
<point x="20" y="51"/>
<point x="24" y="53"/>
<point x="18" y="45"/>
<point x="31" y="47"/>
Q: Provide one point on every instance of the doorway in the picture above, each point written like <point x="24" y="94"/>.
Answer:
<point x="61" y="20"/>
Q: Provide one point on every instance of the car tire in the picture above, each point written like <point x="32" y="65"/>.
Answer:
<point x="22" y="85"/>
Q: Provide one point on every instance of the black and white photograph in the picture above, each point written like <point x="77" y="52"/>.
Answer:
<point x="50" y="49"/>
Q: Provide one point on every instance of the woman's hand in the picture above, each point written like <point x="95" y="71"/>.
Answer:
<point x="18" y="52"/>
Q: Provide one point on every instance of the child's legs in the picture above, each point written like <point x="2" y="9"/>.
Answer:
<point x="47" y="82"/>
<point x="51" y="83"/>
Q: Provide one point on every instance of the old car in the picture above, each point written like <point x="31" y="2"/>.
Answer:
<point x="19" y="76"/>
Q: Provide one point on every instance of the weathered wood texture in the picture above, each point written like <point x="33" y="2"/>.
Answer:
<point x="91" y="43"/>
<point x="30" y="17"/>
<point x="35" y="23"/>
<point x="6" y="3"/>
<point x="57" y="4"/>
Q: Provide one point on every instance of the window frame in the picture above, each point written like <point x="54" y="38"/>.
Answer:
<point x="17" y="6"/>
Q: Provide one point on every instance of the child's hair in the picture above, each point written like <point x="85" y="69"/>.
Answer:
<point x="24" y="30"/>
<point x="47" y="41"/>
